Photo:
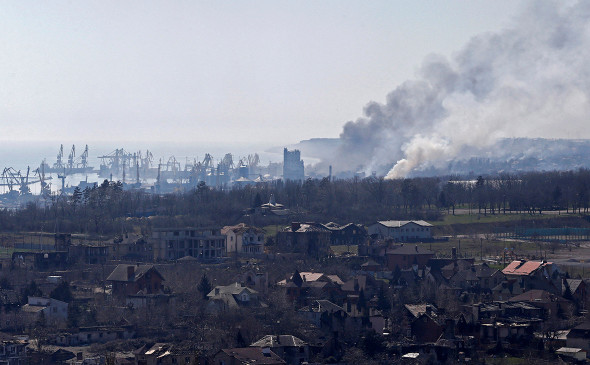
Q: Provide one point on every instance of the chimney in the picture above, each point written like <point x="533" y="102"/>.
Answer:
<point x="216" y="291"/>
<point x="266" y="352"/>
<point x="416" y="248"/>
<point x="428" y="309"/>
<point x="295" y="226"/>
<point x="454" y="253"/>
<point x="130" y="272"/>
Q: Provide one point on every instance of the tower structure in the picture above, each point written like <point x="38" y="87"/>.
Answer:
<point x="292" y="165"/>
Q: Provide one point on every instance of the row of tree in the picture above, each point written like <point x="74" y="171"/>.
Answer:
<point x="108" y="208"/>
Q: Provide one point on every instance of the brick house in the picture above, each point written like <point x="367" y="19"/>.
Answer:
<point x="131" y="279"/>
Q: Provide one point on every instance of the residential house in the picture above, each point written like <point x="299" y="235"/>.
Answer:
<point x="535" y="275"/>
<point x="324" y="313"/>
<point x="247" y="356"/>
<point x="425" y="322"/>
<point x="401" y="231"/>
<point x="507" y="289"/>
<point x="572" y="353"/>
<point x="13" y="351"/>
<point x="174" y="243"/>
<point x="406" y="256"/>
<point x="133" y="279"/>
<point x="579" y="337"/>
<point x="51" y="309"/>
<point x="254" y="279"/>
<point x="476" y="278"/>
<point x="243" y="239"/>
<point x="164" y="354"/>
<point x="305" y="286"/>
<point x="551" y="303"/>
<point x="348" y="234"/>
<point x="231" y="297"/>
<point x="312" y="239"/>
<point x="575" y="290"/>
<point x="291" y="349"/>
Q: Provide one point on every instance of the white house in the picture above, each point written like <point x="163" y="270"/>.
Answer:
<point x="243" y="239"/>
<point x="52" y="309"/>
<point x="401" y="231"/>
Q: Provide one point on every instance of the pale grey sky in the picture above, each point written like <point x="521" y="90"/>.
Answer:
<point x="268" y="72"/>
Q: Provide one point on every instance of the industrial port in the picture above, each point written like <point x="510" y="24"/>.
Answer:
<point x="136" y="170"/>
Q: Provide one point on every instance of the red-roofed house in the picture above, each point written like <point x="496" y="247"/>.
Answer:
<point x="535" y="275"/>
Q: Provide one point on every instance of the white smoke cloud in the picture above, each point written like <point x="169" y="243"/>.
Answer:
<point x="531" y="80"/>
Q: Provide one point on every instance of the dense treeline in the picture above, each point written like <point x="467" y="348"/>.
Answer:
<point x="108" y="208"/>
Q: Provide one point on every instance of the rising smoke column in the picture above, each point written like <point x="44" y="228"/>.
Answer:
<point x="530" y="80"/>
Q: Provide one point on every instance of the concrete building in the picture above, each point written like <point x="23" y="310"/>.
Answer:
<point x="175" y="243"/>
<point x="401" y="231"/>
<point x="293" y="168"/>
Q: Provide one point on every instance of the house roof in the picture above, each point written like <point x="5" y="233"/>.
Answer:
<point x="418" y="309"/>
<point x="232" y="289"/>
<point x="254" y="355"/>
<point x="279" y="341"/>
<point x="327" y="306"/>
<point x="535" y="295"/>
<point x="409" y="250"/>
<point x="240" y="228"/>
<point x="32" y="308"/>
<point x="308" y="227"/>
<point x="523" y="267"/>
<point x="121" y="272"/>
<point x="573" y="284"/>
<point x="395" y="224"/>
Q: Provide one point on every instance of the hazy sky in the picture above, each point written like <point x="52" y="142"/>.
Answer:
<point x="268" y="72"/>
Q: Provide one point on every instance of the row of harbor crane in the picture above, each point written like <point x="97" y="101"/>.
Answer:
<point x="19" y="182"/>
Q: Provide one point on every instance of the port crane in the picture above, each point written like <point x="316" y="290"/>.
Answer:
<point x="13" y="180"/>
